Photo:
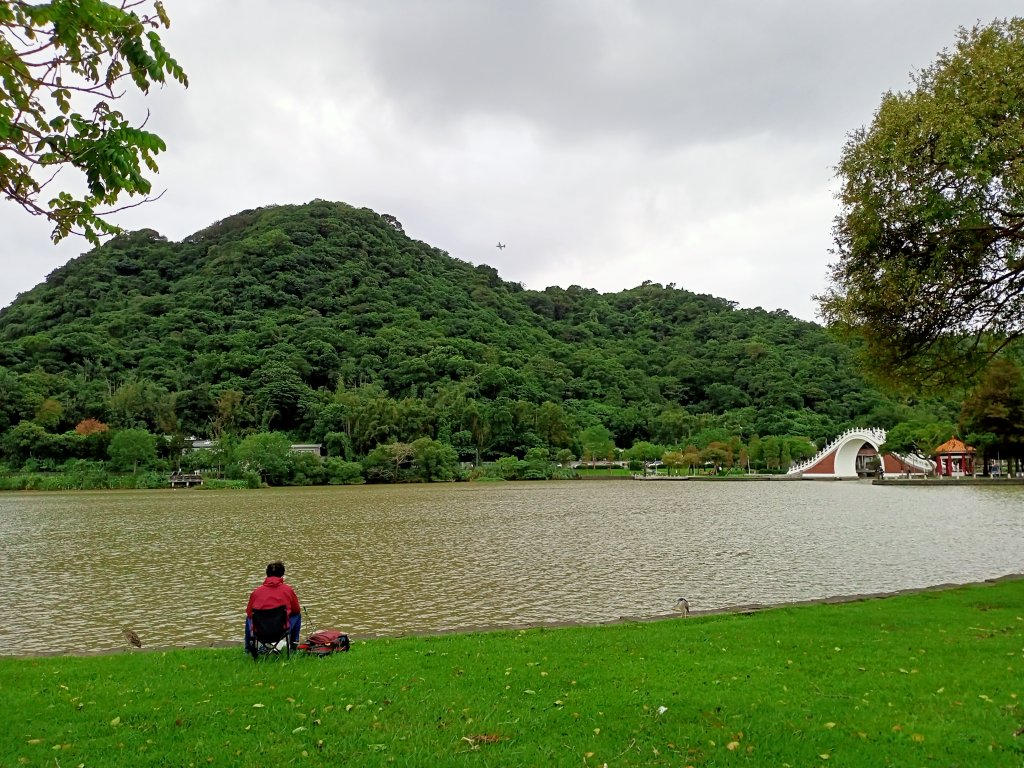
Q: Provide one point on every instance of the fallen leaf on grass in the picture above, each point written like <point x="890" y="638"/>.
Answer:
<point x="115" y="722"/>
<point x="918" y="737"/>
<point x="257" y="706"/>
<point x="830" y="725"/>
<point x="482" y="738"/>
<point x="732" y="745"/>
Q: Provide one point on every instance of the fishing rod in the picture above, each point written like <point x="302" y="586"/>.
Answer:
<point x="308" y="620"/>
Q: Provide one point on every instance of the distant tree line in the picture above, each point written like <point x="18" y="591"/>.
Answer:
<point x="324" y="323"/>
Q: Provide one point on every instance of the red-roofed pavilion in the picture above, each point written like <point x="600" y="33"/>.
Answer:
<point x="954" y="458"/>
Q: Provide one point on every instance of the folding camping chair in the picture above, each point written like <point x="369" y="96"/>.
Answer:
<point x="270" y="632"/>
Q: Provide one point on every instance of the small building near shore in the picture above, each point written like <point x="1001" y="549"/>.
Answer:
<point x="954" y="458"/>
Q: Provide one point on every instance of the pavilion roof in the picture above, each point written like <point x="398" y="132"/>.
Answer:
<point x="954" y="445"/>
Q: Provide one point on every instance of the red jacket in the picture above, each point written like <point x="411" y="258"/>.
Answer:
<point x="272" y="593"/>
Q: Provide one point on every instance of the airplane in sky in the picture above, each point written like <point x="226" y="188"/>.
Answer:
<point x="500" y="245"/>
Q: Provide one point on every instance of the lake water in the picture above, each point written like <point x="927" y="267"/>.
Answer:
<point x="177" y="566"/>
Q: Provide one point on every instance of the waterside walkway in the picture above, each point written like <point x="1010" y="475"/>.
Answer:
<point x="718" y="478"/>
<point x="948" y="482"/>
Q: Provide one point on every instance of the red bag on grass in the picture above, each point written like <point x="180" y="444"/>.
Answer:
<point x="325" y="641"/>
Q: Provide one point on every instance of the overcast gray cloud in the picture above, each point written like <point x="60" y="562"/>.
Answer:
<point x="607" y="142"/>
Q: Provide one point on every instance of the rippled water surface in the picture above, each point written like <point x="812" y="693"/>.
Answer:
<point x="177" y="566"/>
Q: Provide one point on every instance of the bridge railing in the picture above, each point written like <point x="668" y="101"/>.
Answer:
<point x="870" y="434"/>
<point x="918" y="462"/>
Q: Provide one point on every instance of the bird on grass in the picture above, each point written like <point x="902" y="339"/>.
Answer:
<point x="132" y="637"/>
<point x="683" y="606"/>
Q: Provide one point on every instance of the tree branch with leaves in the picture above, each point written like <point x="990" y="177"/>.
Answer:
<point x="62" y="64"/>
<point x="930" y="237"/>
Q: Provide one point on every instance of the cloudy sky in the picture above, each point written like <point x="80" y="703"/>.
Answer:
<point x="607" y="142"/>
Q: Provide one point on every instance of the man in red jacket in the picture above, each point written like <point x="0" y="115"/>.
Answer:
<point x="273" y="592"/>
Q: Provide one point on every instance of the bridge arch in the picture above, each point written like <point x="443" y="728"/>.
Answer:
<point x="839" y="457"/>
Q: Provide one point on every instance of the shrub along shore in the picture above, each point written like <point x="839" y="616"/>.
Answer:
<point x="934" y="677"/>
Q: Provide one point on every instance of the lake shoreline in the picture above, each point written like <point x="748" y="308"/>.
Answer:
<point x="746" y="608"/>
<point x="948" y="482"/>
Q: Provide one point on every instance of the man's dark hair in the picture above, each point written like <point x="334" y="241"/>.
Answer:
<point x="275" y="568"/>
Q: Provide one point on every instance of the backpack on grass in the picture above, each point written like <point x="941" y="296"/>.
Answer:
<point x="324" y="642"/>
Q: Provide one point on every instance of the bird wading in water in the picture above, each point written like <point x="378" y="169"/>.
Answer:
<point x="133" y="638"/>
<point x="683" y="606"/>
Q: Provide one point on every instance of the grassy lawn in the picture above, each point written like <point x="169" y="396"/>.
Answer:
<point x="932" y="679"/>
<point x="614" y="472"/>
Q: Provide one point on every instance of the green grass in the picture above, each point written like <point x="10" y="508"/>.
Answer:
<point x="82" y="481"/>
<point x="932" y="679"/>
<point x="586" y="472"/>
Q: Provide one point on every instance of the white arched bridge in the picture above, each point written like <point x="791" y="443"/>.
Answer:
<point x="840" y="457"/>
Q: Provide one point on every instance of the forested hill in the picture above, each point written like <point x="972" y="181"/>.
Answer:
<point x="325" y="318"/>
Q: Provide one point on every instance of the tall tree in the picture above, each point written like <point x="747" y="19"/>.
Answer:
<point x="434" y="461"/>
<point x="62" y="63"/>
<point x="233" y="408"/>
<point x="553" y="424"/>
<point x="267" y="453"/>
<point x="916" y="437"/>
<point x="993" y="414"/>
<point x="930" y="237"/>
<point x="479" y="428"/>
<point x="131" y="447"/>
<point x="385" y="461"/>
<point x="597" y="443"/>
<point x="26" y="440"/>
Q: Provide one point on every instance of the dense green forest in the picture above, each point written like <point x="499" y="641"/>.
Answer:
<point x="326" y="323"/>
